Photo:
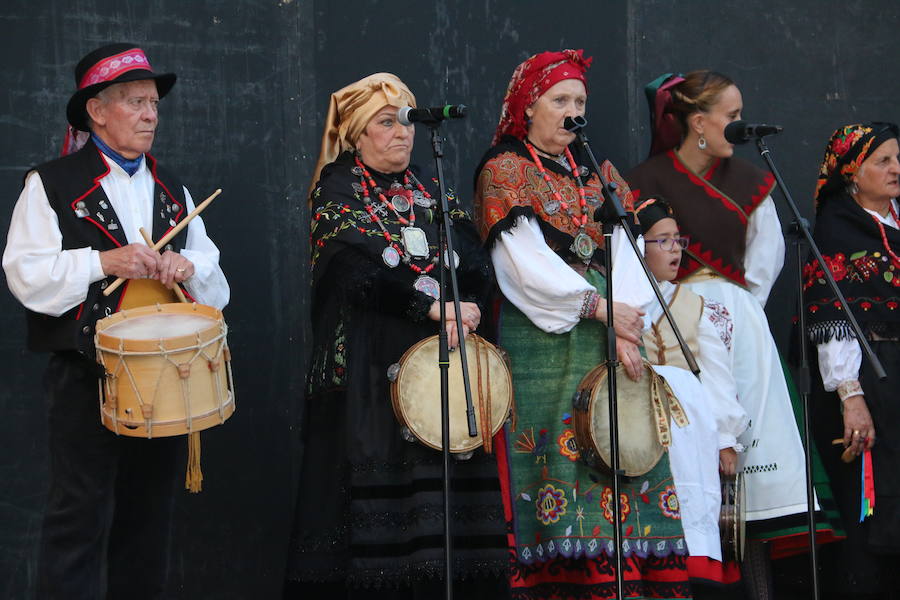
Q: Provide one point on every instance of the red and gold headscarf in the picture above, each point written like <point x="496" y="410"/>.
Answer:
<point x="529" y="82"/>
<point x="846" y="151"/>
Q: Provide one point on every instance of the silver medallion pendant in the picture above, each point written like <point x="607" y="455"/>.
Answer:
<point x="583" y="246"/>
<point x="414" y="242"/>
<point x="551" y="206"/>
<point x="455" y="259"/>
<point x="396" y="187"/>
<point x="583" y="171"/>
<point x="401" y="203"/>
<point x="592" y="198"/>
<point x="420" y="199"/>
<point x="428" y="286"/>
<point x="357" y="170"/>
<point x="390" y="256"/>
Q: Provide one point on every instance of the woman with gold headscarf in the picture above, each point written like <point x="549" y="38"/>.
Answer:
<point x="369" y="512"/>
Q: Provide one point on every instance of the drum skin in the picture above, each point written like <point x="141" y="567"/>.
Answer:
<point x="160" y="382"/>
<point x="639" y="447"/>
<point x="416" y="392"/>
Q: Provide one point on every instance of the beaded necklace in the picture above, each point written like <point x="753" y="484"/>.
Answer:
<point x="393" y="254"/>
<point x="583" y="245"/>
<point x="894" y="258"/>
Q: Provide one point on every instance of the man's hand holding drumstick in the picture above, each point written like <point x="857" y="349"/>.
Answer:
<point x="136" y="261"/>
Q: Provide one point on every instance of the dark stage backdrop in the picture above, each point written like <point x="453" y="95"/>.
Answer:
<point x="254" y="79"/>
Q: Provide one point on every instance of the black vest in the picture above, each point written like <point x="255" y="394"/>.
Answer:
<point x="87" y="219"/>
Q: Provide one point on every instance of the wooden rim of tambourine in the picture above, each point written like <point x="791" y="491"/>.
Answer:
<point x="499" y="417"/>
<point x="732" y="521"/>
<point x="116" y="344"/>
<point x="583" y="416"/>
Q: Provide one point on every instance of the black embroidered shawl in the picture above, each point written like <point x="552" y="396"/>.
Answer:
<point x="851" y="244"/>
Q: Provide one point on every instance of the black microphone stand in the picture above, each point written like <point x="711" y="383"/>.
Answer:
<point x="612" y="213"/>
<point x="446" y="253"/>
<point x="800" y="229"/>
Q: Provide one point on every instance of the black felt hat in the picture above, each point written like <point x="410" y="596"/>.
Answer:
<point x="105" y="66"/>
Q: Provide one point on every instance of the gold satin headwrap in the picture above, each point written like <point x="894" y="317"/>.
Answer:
<point x="350" y="110"/>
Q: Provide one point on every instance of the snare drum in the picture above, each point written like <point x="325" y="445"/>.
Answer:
<point x="416" y="393"/>
<point x="644" y="408"/>
<point x="168" y="370"/>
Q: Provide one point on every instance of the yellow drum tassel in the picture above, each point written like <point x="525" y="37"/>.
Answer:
<point x="193" y="479"/>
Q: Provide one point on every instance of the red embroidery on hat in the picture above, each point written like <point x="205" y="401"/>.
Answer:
<point x="111" y="67"/>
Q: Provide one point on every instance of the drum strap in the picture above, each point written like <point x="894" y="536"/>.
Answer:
<point x="484" y="404"/>
<point x="665" y="406"/>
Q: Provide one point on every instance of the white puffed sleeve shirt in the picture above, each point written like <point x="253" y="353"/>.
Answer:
<point x="547" y="290"/>
<point x="49" y="280"/>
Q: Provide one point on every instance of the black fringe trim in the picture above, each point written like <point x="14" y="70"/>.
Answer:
<point x="507" y="223"/>
<point x="824" y="332"/>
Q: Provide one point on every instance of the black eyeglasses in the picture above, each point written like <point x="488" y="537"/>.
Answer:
<point x="668" y="244"/>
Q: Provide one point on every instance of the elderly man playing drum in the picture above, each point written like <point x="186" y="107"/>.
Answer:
<point x="76" y="228"/>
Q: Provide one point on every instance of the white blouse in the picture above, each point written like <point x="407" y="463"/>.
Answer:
<point x="547" y="290"/>
<point x="49" y="280"/>
<point x="764" y="256"/>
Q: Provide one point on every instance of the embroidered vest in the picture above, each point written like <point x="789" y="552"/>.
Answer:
<point x="660" y="341"/>
<point x="87" y="219"/>
<point x="712" y="211"/>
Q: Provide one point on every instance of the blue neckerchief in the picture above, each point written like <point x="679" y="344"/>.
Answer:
<point x="130" y="166"/>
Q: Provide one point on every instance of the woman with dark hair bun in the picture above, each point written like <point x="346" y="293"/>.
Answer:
<point x="736" y="251"/>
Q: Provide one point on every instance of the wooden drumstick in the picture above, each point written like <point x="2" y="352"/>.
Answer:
<point x="165" y="239"/>
<point x="177" y="289"/>
<point x="848" y="455"/>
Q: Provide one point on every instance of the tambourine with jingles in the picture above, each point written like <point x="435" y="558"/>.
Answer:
<point x="731" y="518"/>
<point x="645" y="407"/>
<point x="416" y="393"/>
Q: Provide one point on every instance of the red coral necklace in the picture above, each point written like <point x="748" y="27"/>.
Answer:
<point x="894" y="258"/>
<point x="413" y="241"/>
<point x="583" y="245"/>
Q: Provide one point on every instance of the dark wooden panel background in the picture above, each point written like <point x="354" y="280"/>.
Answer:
<point x="254" y="79"/>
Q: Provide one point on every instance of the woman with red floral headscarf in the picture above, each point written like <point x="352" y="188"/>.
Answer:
<point x="535" y="199"/>
<point x="857" y="232"/>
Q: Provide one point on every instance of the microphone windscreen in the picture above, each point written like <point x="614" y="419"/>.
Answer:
<point x="736" y="132"/>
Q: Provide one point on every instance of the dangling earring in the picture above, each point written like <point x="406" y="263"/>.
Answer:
<point x="701" y="143"/>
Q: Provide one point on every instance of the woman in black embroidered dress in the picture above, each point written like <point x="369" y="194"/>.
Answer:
<point x="369" y="512"/>
<point x="857" y="232"/>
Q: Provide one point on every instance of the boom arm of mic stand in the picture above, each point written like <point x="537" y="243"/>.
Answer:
<point x="621" y="215"/>
<point x="804" y="230"/>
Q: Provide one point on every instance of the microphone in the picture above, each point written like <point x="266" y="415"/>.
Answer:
<point x="409" y="115"/>
<point x="740" y="132"/>
<point x="574" y="124"/>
